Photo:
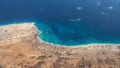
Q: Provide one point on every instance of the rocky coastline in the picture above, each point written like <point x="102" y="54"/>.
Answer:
<point x="21" y="47"/>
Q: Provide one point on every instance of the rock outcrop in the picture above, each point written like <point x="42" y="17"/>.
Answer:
<point x="20" y="47"/>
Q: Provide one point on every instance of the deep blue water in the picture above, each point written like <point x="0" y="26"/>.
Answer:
<point x="67" y="22"/>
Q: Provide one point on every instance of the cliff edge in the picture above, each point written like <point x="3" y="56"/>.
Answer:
<point x="21" y="47"/>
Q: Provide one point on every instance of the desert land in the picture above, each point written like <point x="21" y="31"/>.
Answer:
<point x="21" y="47"/>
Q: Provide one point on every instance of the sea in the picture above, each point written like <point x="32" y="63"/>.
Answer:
<point x="67" y="22"/>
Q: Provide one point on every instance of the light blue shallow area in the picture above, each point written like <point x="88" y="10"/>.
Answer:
<point x="74" y="34"/>
<point x="71" y="33"/>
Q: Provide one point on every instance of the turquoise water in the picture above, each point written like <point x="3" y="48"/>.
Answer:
<point x="75" y="33"/>
<point x="67" y="22"/>
<point x="71" y="33"/>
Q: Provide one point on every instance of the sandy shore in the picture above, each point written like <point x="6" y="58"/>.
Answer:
<point x="21" y="47"/>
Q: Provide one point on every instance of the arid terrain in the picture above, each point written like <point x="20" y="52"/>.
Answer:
<point x="21" y="47"/>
